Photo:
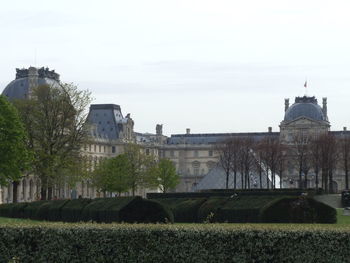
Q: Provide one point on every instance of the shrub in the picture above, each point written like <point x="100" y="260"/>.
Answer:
<point x="211" y="206"/>
<point x="51" y="210"/>
<point x="298" y="210"/>
<point x="30" y="211"/>
<point x="243" y="209"/>
<point x="146" y="211"/>
<point x="16" y="210"/>
<point x="72" y="210"/>
<point x="6" y="209"/>
<point x="133" y="243"/>
<point x="185" y="210"/>
<point x="126" y="209"/>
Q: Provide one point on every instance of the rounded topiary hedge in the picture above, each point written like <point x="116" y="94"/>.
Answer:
<point x="106" y="210"/>
<point x="300" y="209"/>
<point x="185" y="210"/>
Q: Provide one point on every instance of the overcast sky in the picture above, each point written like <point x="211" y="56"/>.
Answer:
<point x="212" y="66"/>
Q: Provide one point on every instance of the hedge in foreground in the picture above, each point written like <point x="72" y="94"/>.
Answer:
<point x="130" y="243"/>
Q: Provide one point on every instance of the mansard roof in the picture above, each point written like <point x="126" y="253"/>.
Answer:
<point x="211" y="138"/>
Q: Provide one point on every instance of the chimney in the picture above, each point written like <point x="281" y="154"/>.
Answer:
<point x="324" y="106"/>
<point x="286" y="104"/>
<point x="344" y="128"/>
<point x="270" y="129"/>
<point x="188" y="131"/>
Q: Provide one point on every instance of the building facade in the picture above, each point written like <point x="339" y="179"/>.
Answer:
<point x="194" y="155"/>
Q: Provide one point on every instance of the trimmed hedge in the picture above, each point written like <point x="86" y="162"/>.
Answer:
<point x="298" y="210"/>
<point x="31" y="209"/>
<point x="185" y="210"/>
<point x="72" y="211"/>
<point x="163" y="243"/>
<point x="126" y="209"/>
<point x="231" y="192"/>
<point x="106" y="210"/>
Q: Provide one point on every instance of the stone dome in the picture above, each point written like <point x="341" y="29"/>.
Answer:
<point x="27" y="79"/>
<point x="305" y="107"/>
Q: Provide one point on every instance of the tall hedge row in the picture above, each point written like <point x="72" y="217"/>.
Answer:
<point x="250" y="209"/>
<point x="106" y="210"/>
<point x="159" y="243"/>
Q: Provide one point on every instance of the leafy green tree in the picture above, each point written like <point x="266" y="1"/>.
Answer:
<point x="140" y="165"/>
<point x="54" y="118"/>
<point x="14" y="156"/>
<point x="113" y="175"/>
<point x="164" y="175"/>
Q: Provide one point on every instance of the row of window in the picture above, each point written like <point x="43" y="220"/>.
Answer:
<point x="172" y="153"/>
<point x="98" y="148"/>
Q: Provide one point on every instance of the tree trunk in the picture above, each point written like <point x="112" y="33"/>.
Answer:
<point x="234" y="179"/>
<point x="267" y="178"/>
<point x="242" y="179"/>
<point x="316" y="175"/>
<point x="305" y="182"/>
<point x="227" y="177"/>
<point x="331" y="182"/>
<point x="346" y="179"/>
<point x="14" y="191"/>
<point x="260" y="177"/>
<point x="49" y="193"/>
<point x="280" y="179"/>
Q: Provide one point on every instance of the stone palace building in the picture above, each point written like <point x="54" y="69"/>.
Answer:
<point x="194" y="155"/>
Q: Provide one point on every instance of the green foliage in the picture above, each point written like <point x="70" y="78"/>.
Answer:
<point x="298" y="210"/>
<point x="56" y="132"/>
<point x="31" y="210"/>
<point x="167" y="243"/>
<point x="113" y="175"/>
<point x="51" y="211"/>
<point x="13" y="150"/>
<point x="141" y="167"/>
<point x="72" y="210"/>
<point x="165" y="176"/>
<point x="211" y="206"/>
<point x="243" y="209"/>
<point x="185" y="210"/>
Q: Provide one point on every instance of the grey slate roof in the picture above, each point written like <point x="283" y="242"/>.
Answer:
<point x="212" y="138"/>
<point x="19" y="88"/>
<point x="305" y="107"/>
<point x="107" y="119"/>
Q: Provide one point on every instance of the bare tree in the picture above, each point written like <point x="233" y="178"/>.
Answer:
<point x="270" y="146"/>
<point x="246" y="160"/>
<point x="344" y="148"/>
<point x="329" y="157"/>
<point x="282" y="151"/>
<point x="315" y="157"/>
<point x="228" y="151"/>
<point x="301" y="154"/>
<point x="258" y="149"/>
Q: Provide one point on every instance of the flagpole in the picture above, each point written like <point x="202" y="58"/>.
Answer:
<point x="305" y="86"/>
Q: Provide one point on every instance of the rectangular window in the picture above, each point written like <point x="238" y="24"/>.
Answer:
<point x="210" y="153"/>
<point x="147" y="151"/>
<point x="99" y="148"/>
<point x="113" y="149"/>
<point x="195" y="154"/>
<point x="94" y="147"/>
<point x="172" y="153"/>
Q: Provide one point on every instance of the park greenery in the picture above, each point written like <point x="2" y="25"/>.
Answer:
<point x="15" y="157"/>
<point x="134" y="169"/>
<point x="54" y="118"/>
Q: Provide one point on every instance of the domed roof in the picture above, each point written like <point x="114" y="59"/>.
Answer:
<point x="305" y="107"/>
<point x="27" y="79"/>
